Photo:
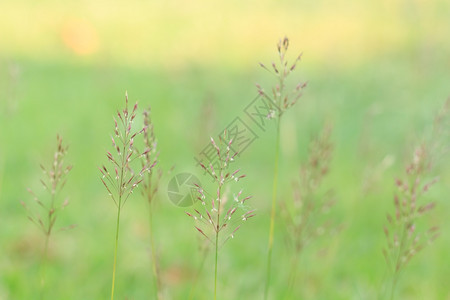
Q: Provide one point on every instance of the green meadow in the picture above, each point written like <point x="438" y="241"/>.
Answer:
<point x="378" y="72"/>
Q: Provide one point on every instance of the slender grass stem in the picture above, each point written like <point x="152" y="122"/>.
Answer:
<point x="44" y="265"/>
<point x="397" y="261"/>
<point x="292" y="275"/>
<point x="217" y="241"/>
<point x="215" y="269"/>
<point x="273" y="210"/>
<point x="153" y="254"/>
<point x="115" y="253"/>
<point x="51" y="222"/>
<point x="394" y="284"/>
<point x="119" y="206"/>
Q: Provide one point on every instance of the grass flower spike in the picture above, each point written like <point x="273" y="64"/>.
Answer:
<point x="306" y="216"/>
<point x="119" y="178"/>
<point x="150" y="186"/>
<point x="404" y="231"/>
<point x="219" y="218"/>
<point x="280" y="99"/>
<point x="53" y="182"/>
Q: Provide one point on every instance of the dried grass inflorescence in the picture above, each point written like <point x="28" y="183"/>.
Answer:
<point x="150" y="186"/>
<point x="120" y="179"/>
<point x="306" y="215"/>
<point x="405" y="238"/>
<point x="280" y="99"/>
<point x="149" y="159"/>
<point x="53" y="182"/>
<point x="404" y="232"/>
<point x="218" y="215"/>
<point x="220" y="219"/>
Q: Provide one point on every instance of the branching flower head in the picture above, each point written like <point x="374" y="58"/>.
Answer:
<point x="149" y="159"/>
<point x="306" y="216"/>
<point x="405" y="235"/>
<point x="53" y="182"/>
<point x="218" y="213"/>
<point x="282" y="97"/>
<point x="120" y="179"/>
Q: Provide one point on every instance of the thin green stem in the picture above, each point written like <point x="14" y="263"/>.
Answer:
<point x="153" y="254"/>
<point x="119" y="207"/>
<point x="44" y="265"/>
<point x="217" y="239"/>
<point x="394" y="283"/>
<point x="273" y="210"/>
<point x="215" y="269"/>
<point x="397" y="262"/>
<point x="292" y="275"/>
<point x="51" y="222"/>
<point x="115" y="253"/>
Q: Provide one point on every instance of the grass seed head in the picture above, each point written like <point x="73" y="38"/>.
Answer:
<point x="220" y="215"/>
<point x="53" y="181"/>
<point x="122" y="181"/>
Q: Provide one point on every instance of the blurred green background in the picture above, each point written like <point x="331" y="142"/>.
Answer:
<point x="378" y="70"/>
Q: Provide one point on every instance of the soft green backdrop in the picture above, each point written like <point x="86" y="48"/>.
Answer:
<point x="378" y="70"/>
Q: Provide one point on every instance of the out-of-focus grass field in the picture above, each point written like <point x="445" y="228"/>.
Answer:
<point x="379" y="70"/>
